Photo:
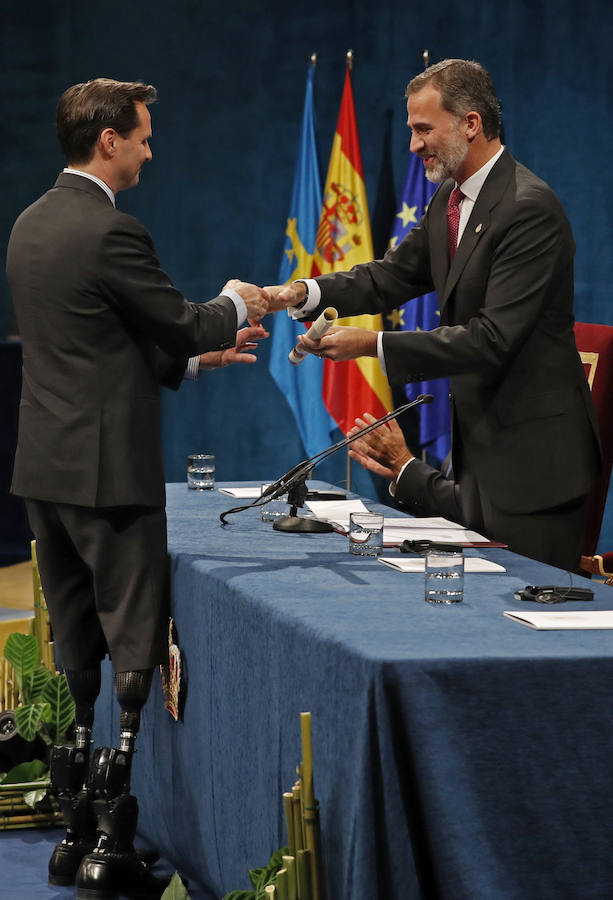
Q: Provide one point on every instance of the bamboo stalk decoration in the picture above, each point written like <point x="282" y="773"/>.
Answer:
<point x="297" y="814"/>
<point x="305" y="886"/>
<point x="310" y="823"/>
<point x="289" y="821"/>
<point x="289" y="863"/>
<point x="36" y="820"/>
<point x="9" y="697"/>
<point x="281" y="884"/>
<point x="270" y="892"/>
<point x="41" y="627"/>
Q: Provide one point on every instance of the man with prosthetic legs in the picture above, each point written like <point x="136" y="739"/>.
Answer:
<point x="102" y="328"/>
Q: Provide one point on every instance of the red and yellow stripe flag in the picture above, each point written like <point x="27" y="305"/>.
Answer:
<point x="343" y="240"/>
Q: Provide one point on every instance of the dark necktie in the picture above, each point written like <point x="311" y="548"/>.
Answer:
<point x="453" y="220"/>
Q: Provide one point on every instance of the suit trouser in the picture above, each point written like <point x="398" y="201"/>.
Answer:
<point x="104" y="573"/>
<point x="553" y="536"/>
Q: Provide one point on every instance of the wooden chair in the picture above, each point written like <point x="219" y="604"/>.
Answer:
<point x="595" y="346"/>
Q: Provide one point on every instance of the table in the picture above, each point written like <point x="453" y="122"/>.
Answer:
<point x="457" y="754"/>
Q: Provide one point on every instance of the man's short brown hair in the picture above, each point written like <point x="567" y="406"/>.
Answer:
<point x="85" y="110"/>
<point x="464" y="86"/>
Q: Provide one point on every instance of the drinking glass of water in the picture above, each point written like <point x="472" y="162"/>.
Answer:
<point x="445" y="574"/>
<point x="366" y="534"/>
<point x="200" y="471"/>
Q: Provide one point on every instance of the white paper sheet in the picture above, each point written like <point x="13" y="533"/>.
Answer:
<point x="337" y="511"/>
<point x="241" y="493"/>
<point x="559" y="619"/>
<point x="439" y="530"/>
<point x="472" y="564"/>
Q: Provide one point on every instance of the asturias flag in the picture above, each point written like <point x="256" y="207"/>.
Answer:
<point x="343" y="240"/>
<point x="302" y="385"/>
<point x="421" y="314"/>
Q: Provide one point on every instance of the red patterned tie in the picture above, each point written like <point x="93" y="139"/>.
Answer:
<point x="453" y="220"/>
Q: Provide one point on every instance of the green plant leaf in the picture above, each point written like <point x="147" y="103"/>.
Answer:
<point x="57" y="695"/>
<point x="22" y="652"/>
<point x="24" y="772"/>
<point x="239" y="895"/>
<point x="34" y="797"/>
<point x="176" y="890"/>
<point x="28" y="719"/>
<point x="37" y="681"/>
<point x="255" y="877"/>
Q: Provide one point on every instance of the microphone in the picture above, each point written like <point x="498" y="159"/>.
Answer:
<point x="294" y="480"/>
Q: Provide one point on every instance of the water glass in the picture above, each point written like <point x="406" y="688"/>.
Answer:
<point x="200" y="471"/>
<point x="366" y="534"/>
<point x="274" y="509"/>
<point x="445" y="574"/>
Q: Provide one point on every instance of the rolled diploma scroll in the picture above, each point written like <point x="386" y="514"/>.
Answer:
<point x="315" y="332"/>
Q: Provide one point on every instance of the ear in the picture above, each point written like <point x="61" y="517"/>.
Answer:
<point x="473" y="124"/>
<point x="107" y="143"/>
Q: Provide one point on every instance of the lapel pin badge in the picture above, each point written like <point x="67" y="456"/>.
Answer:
<point x="478" y="228"/>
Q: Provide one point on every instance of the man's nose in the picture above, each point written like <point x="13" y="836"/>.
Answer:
<point x="416" y="144"/>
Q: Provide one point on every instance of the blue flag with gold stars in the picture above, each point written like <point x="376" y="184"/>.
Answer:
<point x="302" y="385"/>
<point x="421" y="314"/>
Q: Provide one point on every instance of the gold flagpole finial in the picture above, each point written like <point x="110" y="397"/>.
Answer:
<point x="313" y="59"/>
<point x="426" y="58"/>
<point x="349" y="59"/>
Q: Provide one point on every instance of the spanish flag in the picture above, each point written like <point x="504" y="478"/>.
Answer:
<point x="344" y="240"/>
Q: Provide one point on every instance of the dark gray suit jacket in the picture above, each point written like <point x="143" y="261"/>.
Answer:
<point x="102" y="327"/>
<point x="523" y="419"/>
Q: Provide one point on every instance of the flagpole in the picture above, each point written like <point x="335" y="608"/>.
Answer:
<point x="349" y="64"/>
<point x="426" y="58"/>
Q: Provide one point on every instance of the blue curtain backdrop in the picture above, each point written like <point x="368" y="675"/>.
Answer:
<point x="230" y="78"/>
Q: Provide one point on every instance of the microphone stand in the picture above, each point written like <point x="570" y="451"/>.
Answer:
<point x="293" y="482"/>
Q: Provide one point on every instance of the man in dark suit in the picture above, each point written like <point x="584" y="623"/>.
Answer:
<point x="102" y="326"/>
<point x="497" y="247"/>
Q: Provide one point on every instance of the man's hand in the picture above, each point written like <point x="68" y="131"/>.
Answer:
<point x="342" y="342"/>
<point x="245" y="340"/>
<point x="382" y="451"/>
<point x="256" y="299"/>
<point x="284" y="295"/>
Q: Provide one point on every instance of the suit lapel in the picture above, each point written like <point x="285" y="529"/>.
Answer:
<point x="478" y="222"/>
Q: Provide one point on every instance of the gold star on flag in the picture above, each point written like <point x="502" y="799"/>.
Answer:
<point x="396" y="318"/>
<point x="393" y="241"/>
<point x="407" y="214"/>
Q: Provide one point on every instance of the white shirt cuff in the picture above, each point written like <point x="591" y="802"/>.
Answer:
<point x="380" y="355"/>
<point x="392" y="485"/>
<point x="192" y="370"/>
<point x="239" y="303"/>
<point x="312" y="301"/>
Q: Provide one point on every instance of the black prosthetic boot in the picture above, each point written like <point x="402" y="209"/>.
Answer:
<point x="114" y="868"/>
<point x="68" y="777"/>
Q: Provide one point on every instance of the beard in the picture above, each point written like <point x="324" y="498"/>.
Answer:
<point x="448" y="159"/>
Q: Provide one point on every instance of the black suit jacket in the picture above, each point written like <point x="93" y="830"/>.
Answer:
<point x="523" y="419"/>
<point x="102" y="327"/>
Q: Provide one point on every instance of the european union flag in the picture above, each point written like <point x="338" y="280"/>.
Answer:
<point x="421" y="314"/>
<point x="302" y="385"/>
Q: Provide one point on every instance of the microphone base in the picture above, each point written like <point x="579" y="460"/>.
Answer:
<point x="301" y="525"/>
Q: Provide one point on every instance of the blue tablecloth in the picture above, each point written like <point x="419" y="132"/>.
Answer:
<point x="457" y="754"/>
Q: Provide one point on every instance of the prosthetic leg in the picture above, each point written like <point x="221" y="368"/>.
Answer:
<point x="113" y="867"/>
<point x="69" y="771"/>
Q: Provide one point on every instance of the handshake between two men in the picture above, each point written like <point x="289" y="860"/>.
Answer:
<point x="384" y="450"/>
<point x="339" y="343"/>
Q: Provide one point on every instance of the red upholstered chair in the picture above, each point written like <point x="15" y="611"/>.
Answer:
<point x="595" y="346"/>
